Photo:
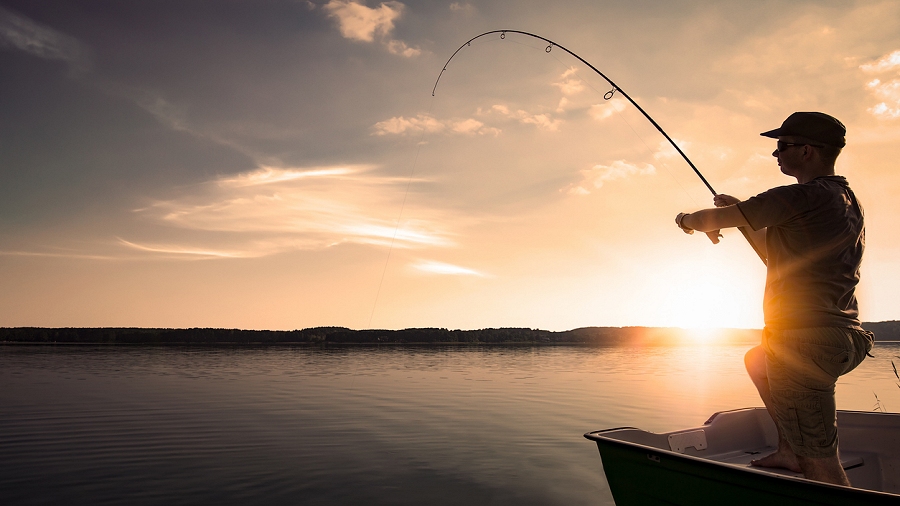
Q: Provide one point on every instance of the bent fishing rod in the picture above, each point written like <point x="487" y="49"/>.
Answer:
<point x="607" y="96"/>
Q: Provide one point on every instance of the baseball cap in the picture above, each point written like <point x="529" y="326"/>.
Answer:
<point x="815" y="126"/>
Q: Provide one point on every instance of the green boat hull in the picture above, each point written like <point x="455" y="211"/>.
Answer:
<point x="640" y="476"/>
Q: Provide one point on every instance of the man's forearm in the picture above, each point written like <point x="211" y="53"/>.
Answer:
<point x="709" y="220"/>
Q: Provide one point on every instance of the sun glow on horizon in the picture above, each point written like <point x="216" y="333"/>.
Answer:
<point x="703" y="293"/>
<point x="704" y="335"/>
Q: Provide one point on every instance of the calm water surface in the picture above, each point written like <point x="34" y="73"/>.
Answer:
<point x="355" y="425"/>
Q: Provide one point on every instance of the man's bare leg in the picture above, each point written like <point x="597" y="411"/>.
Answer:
<point x="827" y="469"/>
<point x="784" y="457"/>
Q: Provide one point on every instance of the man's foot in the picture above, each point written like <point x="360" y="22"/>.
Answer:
<point x="782" y="459"/>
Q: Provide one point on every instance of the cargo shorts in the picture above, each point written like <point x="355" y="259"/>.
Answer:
<point x="803" y="366"/>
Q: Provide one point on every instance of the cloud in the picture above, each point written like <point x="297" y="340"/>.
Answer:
<point x="270" y="175"/>
<point x="400" y="125"/>
<point x="465" y="8"/>
<point x="597" y="175"/>
<point x="885" y="63"/>
<point x="605" y="110"/>
<point x="882" y="110"/>
<point x="423" y="123"/>
<point x="666" y="151"/>
<point x="400" y="47"/>
<point x="187" y="251"/>
<point x="163" y="111"/>
<point x="23" y="34"/>
<point x="79" y="256"/>
<point x="887" y="91"/>
<point x="472" y="127"/>
<point x="358" y="22"/>
<point x="270" y="210"/>
<point x="174" y="117"/>
<point x="568" y="84"/>
<point x="432" y="267"/>
<point x="542" y="121"/>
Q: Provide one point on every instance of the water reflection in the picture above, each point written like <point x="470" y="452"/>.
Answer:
<point x="379" y="425"/>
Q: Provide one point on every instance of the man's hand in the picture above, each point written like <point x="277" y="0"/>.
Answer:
<point x="714" y="236"/>
<point x="722" y="200"/>
<point x="711" y="221"/>
<point x="679" y="220"/>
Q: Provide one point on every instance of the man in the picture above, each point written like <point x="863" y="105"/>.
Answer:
<point x="812" y="237"/>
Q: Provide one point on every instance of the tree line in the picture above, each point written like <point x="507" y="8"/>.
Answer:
<point x="885" y="331"/>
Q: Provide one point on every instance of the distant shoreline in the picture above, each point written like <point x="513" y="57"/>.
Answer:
<point x="888" y="331"/>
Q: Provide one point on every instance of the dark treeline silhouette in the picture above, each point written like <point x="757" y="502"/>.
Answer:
<point x="885" y="331"/>
<point x="341" y="335"/>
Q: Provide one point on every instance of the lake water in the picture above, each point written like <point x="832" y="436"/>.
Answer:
<point x="434" y="425"/>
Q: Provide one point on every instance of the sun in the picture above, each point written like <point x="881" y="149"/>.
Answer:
<point x="704" y="335"/>
<point x="706" y="293"/>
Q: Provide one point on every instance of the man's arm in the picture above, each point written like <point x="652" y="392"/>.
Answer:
<point x="727" y="215"/>
<point x="710" y="220"/>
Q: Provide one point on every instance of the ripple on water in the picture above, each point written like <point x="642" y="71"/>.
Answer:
<point x="383" y="425"/>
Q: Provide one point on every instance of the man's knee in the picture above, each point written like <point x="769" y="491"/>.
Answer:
<point x="755" y="362"/>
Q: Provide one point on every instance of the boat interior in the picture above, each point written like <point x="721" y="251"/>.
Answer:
<point x="869" y="444"/>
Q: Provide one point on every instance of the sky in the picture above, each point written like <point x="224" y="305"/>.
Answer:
<point x="283" y="164"/>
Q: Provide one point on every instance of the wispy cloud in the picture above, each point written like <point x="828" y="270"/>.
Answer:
<point x="665" y="150"/>
<point x="401" y="48"/>
<point x="570" y="83"/>
<point x="70" y="255"/>
<point x="602" y="111"/>
<point x="463" y="7"/>
<point x="161" y="109"/>
<point x="174" y="116"/>
<point x="472" y="126"/>
<point x="400" y="125"/>
<point x="356" y="21"/>
<point x="594" y="178"/>
<point x="440" y="268"/>
<point x="887" y="62"/>
<point x="272" y="175"/>
<point x="542" y="121"/>
<point x="888" y="90"/>
<point x="271" y="210"/>
<point x="21" y="33"/>
<point x="186" y="251"/>
<point x="424" y="123"/>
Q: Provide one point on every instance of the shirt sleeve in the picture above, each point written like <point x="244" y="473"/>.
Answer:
<point x="775" y="206"/>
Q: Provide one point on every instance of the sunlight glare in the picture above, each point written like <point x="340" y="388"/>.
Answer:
<point x="708" y="292"/>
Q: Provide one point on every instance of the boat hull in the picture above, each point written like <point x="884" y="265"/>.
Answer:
<point x="684" y="468"/>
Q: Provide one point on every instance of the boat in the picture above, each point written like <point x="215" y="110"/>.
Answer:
<point x="710" y="465"/>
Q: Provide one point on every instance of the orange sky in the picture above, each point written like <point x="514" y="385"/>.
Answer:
<point x="249" y="171"/>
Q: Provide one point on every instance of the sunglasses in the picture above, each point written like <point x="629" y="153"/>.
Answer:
<point x="782" y="145"/>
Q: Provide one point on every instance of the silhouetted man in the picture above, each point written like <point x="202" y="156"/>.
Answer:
<point x="812" y="237"/>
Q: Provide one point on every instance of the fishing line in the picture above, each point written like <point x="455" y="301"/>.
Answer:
<point x="618" y="114"/>
<point x="623" y="119"/>
<point x="608" y="95"/>
<point x="400" y="215"/>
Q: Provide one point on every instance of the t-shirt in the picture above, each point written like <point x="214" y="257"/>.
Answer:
<point x="814" y="240"/>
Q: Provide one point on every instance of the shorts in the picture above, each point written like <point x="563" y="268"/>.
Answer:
<point x="803" y="366"/>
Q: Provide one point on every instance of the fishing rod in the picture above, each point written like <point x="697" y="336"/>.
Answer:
<point x="607" y="96"/>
